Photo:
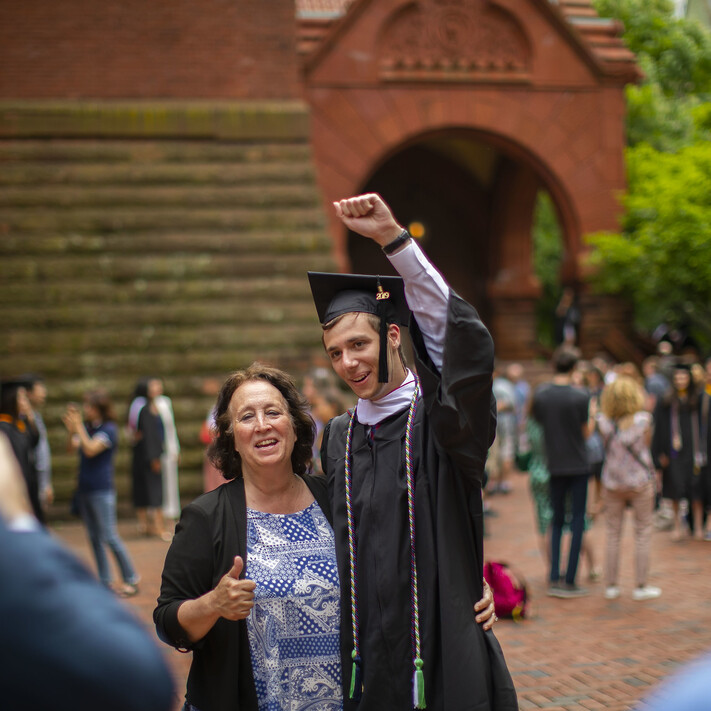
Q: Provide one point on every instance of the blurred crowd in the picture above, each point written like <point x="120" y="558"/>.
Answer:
<point x="597" y="438"/>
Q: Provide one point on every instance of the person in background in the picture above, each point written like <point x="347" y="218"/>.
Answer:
<point x="171" y="454"/>
<point x="603" y="363"/>
<point x="593" y="381"/>
<point x="539" y="485"/>
<point x="500" y="462"/>
<point x="705" y="446"/>
<point x="562" y="410"/>
<point x="146" y="464"/>
<point x="326" y="402"/>
<point x="67" y="643"/>
<point x="676" y="448"/>
<point x="17" y="423"/>
<point x="655" y="383"/>
<point x="522" y="392"/>
<point x="666" y="359"/>
<point x="211" y="475"/>
<point x="628" y="479"/>
<point x="95" y="437"/>
<point x="37" y="394"/>
<point x="138" y="400"/>
<point x="567" y="318"/>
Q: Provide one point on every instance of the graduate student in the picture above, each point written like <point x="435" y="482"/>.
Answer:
<point x="405" y="470"/>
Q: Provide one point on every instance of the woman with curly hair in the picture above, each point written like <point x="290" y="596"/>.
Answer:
<point x="627" y="479"/>
<point x="262" y="544"/>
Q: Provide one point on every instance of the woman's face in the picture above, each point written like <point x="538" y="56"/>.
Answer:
<point x="91" y="413"/>
<point x="263" y="429"/>
<point x="155" y="388"/>
<point x="682" y="378"/>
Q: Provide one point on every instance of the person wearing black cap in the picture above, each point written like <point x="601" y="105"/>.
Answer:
<point x="405" y="470"/>
<point x="18" y="424"/>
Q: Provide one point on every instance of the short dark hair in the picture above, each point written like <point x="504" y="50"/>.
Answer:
<point x="565" y="358"/>
<point x="221" y="451"/>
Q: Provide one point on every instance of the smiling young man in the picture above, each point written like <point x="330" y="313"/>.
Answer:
<point x="405" y="472"/>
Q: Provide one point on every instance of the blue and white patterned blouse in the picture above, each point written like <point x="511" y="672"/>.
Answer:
<point x="294" y="625"/>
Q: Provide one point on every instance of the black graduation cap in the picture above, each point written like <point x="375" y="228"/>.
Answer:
<point x="9" y="385"/>
<point x="383" y="296"/>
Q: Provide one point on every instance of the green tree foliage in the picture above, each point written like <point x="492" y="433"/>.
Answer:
<point x="675" y="56"/>
<point x="547" y="256"/>
<point x="661" y="260"/>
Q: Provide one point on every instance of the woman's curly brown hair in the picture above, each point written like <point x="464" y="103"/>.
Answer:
<point x="222" y="449"/>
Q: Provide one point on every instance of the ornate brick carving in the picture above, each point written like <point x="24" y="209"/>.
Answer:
<point x="455" y="40"/>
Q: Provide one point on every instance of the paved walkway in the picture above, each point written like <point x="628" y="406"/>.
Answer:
<point x="577" y="655"/>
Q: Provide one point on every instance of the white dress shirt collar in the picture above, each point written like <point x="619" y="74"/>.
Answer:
<point x="370" y="412"/>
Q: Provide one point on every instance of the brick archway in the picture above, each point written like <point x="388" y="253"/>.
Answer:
<point x="543" y="101"/>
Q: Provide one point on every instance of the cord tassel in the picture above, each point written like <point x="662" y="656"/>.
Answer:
<point x="356" y="678"/>
<point x="418" y="686"/>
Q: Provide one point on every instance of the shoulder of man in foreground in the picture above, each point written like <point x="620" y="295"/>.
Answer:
<point x="63" y="627"/>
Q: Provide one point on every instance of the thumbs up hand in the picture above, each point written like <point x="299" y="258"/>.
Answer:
<point x="233" y="598"/>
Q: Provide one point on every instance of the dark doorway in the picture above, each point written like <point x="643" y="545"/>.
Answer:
<point x="441" y="187"/>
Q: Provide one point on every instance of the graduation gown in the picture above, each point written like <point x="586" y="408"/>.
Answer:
<point x="147" y="484"/>
<point x="454" y="425"/>
<point x="678" y="479"/>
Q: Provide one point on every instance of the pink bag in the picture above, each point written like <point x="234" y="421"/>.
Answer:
<point x="510" y="594"/>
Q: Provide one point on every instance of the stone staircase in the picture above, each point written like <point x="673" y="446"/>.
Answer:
<point x="177" y="257"/>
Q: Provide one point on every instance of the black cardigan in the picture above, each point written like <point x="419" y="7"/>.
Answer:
<point x="212" y="530"/>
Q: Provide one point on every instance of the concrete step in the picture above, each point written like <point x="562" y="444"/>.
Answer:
<point x="168" y="242"/>
<point x="91" y="368"/>
<point x="147" y="219"/>
<point x="265" y="313"/>
<point x="295" y="329"/>
<point x="58" y="151"/>
<point x="183" y="259"/>
<point x="166" y="291"/>
<point x="121" y="268"/>
<point x="64" y="197"/>
<point x="261" y="172"/>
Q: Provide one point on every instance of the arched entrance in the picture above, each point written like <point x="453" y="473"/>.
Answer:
<point x="470" y="201"/>
<point x="464" y="143"/>
<point x="445" y="203"/>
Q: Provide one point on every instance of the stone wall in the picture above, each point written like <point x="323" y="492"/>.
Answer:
<point x="171" y="241"/>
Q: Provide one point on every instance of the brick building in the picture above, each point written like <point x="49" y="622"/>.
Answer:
<point x="167" y="170"/>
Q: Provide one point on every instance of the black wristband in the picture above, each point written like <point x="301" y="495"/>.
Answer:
<point x="390" y="247"/>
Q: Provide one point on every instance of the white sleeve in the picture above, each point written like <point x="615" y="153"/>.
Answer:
<point x="427" y="295"/>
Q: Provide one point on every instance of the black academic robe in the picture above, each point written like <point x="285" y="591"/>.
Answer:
<point x="678" y="478"/>
<point x="147" y="483"/>
<point x="454" y="426"/>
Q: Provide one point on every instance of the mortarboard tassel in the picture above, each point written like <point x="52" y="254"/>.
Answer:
<point x="356" y="678"/>
<point x="418" y="686"/>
